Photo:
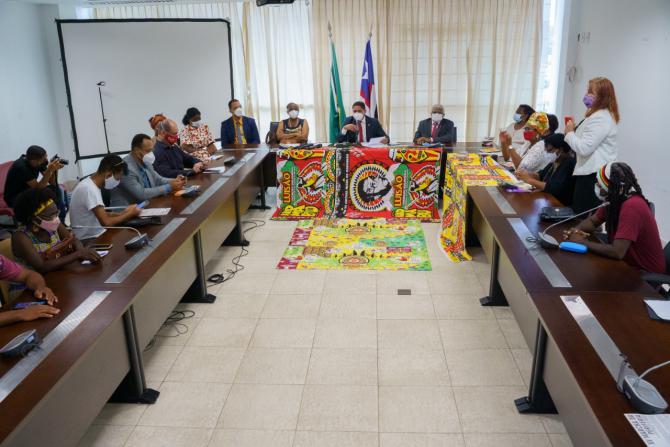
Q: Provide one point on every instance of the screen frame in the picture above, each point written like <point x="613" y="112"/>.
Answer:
<point x="59" y="22"/>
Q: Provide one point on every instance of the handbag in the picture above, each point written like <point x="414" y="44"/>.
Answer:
<point x="64" y="247"/>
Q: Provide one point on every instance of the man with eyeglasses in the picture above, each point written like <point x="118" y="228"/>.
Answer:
<point x="171" y="161"/>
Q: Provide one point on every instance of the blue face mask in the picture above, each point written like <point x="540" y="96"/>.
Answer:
<point x="517" y="118"/>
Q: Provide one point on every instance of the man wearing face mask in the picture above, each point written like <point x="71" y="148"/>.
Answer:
<point x="87" y="208"/>
<point x="360" y="128"/>
<point x="294" y="130"/>
<point x="24" y="172"/>
<point x="171" y="161"/>
<point x="239" y="129"/>
<point x="142" y="182"/>
<point x="436" y="129"/>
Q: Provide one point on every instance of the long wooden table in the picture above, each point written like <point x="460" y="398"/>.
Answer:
<point x="126" y="301"/>
<point x="531" y="280"/>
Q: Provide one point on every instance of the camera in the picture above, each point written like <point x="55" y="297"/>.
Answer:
<point x="62" y="161"/>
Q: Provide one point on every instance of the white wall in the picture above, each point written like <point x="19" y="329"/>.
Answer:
<point x="630" y="44"/>
<point x="27" y="105"/>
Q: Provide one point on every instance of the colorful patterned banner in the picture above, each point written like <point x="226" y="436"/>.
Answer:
<point x="463" y="171"/>
<point x="376" y="244"/>
<point x="358" y="183"/>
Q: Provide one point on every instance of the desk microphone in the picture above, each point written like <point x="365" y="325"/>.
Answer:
<point x="137" y="242"/>
<point x="548" y="241"/>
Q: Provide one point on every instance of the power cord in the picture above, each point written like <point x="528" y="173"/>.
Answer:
<point x="228" y="274"/>
<point x="174" y="322"/>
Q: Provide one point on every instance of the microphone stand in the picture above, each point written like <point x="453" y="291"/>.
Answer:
<point x="548" y="241"/>
<point x="102" y="109"/>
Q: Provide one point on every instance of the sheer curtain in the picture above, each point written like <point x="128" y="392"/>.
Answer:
<point x="480" y="58"/>
<point x="271" y="52"/>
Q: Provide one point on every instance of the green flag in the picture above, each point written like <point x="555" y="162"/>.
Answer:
<point x="337" y="114"/>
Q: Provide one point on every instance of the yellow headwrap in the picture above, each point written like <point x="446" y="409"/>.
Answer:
<point x="538" y="121"/>
<point x="43" y="206"/>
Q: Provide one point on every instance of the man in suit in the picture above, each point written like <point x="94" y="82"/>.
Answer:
<point x="360" y="128"/>
<point x="436" y="129"/>
<point x="239" y="129"/>
<point x="142" y="182"/>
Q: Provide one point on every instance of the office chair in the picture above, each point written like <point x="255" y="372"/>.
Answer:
<point x="658" y="280"/>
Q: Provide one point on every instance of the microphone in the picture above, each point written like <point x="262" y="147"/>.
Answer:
<point x="136" y="242"/>
<point x="101" y="84"/>
<point x="548" y="241"/>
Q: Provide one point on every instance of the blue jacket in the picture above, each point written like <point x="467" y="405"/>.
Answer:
<point x="248" y="126"/>
<point x="373" y="129"/>
<point x="445" y="131"/>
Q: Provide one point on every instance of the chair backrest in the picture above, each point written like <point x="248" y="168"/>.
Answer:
<point x="271" y="137"/>
<point x="666" y="252"/>
<point x="6" y="251"/>
<point x="4" y="170"/>
<point x="454" y="135"/>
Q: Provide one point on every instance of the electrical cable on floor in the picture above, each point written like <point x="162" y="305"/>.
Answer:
<point x="173" y="322"/>
<point x="228" y="274"/>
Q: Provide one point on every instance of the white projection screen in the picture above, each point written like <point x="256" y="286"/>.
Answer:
<point x="148" y="67"/>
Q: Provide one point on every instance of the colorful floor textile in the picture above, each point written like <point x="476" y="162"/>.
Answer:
<point x="359" y="183"/>
<point x="374" y="244"/>
<point x="463" y="171"/>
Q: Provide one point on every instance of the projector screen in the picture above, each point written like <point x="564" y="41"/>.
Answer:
<point x="148" y="67"/>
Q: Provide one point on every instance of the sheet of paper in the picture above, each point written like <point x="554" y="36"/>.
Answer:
<point x="102" y="254"/>
<point x="215" y="157"/>
<point x="377" y="140"/>
<point x="654" y="429"/>
<point x="150" y="212"/>
<point x="217" y="144"/>
<point x="660" y="307"/>
<point x="215" y="170"/>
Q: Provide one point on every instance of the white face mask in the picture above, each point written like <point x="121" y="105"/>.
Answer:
<point x="196" y="123"/>
<point x="238" y="111"/>
<point x="149" y="158"/>
<point x="358" y="116"/>
<point x="111" y="182"/>
<point x="598" y="191"/>
<point x="293" y="114"/>
<point x="436" y="117"/>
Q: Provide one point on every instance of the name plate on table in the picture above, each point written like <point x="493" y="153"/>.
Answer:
<point x="202" y="198"/>
<point x="26" y="365"/>
<point x="131" y="264"/>
<point x="500" y="200"/>
<point x="539" y="254"/>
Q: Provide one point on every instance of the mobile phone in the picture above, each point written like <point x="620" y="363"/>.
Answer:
<point x="143" y="204"/>
<point x="24" y="305"/>
<point x="102" y="247"/>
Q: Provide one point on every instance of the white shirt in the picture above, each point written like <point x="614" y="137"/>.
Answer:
<point x="594" y="142"/>
<point x="536" y="158"/>
<point x="362" y="123"/>
<point x="519" y="143"/>
<point x="85" y="197"/>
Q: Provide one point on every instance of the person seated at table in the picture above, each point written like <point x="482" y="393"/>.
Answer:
<point x="239" y="129"/>
<point x="87" y="210"/>
<point x="632" y="232"/>
<point x="537" y="127"/>
<point x="293" y="130"/>
<point x="360" y="128"/>
<point x="170" y="160"/>
<point x="11" y="271"/>
<point x="42" y="241"/>
<point x="436" y="129"/>
<point x="141" y="182"/>
<point x="23" y="174"/>
<point x="195" y="137"/>
<point x="513" y="133"/>
<point x="153" y="123"/>
<point x="555" y="178"/>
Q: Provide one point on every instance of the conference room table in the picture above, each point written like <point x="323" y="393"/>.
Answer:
<point x="567" y="374"/>
<point x="111" y="311"/>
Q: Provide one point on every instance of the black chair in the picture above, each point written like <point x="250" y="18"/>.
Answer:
<point x="658" y="280"/>
<point x="271" y="137"/>
<point x="453" y="134"/>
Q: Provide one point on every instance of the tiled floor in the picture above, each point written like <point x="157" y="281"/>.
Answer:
<point x="336" y="359"/>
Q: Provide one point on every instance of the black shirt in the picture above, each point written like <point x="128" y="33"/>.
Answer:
<point x="559" y="181"/>
<point x="18" y="176"/>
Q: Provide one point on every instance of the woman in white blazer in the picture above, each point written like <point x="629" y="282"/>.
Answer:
<point x="593" y="140"/>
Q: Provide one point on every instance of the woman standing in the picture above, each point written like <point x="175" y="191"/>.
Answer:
<point x="593" y="140"/>
<point x="196" y="138"/>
